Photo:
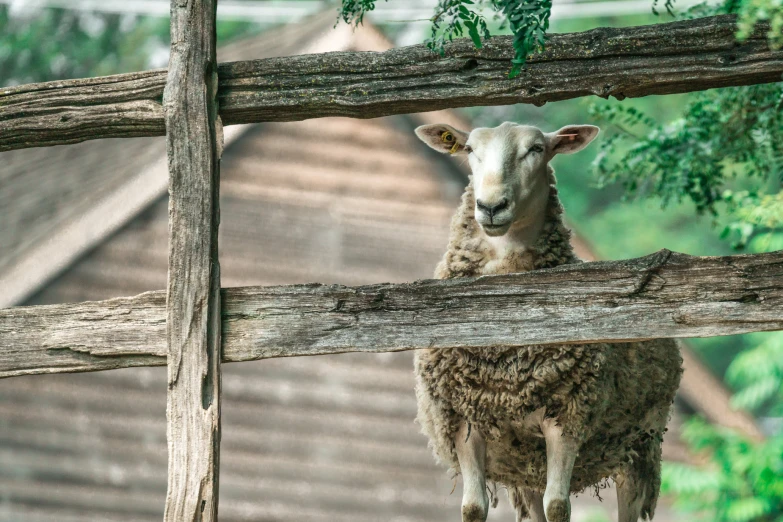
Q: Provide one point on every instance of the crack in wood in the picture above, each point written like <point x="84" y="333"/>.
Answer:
<point x="193" y="305"/>
<point x="747" y="298"/>
<point x="658" y="261"/>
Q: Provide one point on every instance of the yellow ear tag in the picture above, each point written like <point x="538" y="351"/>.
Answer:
<point x="447" y="137"/>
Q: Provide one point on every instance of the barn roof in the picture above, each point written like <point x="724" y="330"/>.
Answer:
<point x="321" y="438"/>
<point x="59" y="202"/>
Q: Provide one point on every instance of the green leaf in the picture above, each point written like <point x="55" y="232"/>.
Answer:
<point x="474" y="34"/>
<point x="747" y="509"/>
<point x="755" y="394"/>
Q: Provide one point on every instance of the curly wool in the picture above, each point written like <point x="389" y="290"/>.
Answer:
<point x="614" y="398"/>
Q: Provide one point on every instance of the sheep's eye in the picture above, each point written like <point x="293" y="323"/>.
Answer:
<point x="468" y="149"/>
<point x="536" y="148"/>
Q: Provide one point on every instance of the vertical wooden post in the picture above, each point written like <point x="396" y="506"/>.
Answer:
<point x="194" y="142"/>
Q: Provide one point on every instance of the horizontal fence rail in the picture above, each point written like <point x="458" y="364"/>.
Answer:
<point x="661" y="295"/>
<point x="665" y="58"/>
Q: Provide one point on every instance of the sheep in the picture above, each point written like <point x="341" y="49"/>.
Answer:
<point x="543" y="421"/>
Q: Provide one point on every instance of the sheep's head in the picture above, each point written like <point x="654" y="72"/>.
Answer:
<point x="509" y="165"/>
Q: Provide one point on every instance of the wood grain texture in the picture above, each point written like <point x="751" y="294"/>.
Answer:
<point x="665" y="58"/>
<point x="661" y="295"/>
<point x="83" y="337"/>
<point x="194" y="143"/>
<point x="71" y="111"/>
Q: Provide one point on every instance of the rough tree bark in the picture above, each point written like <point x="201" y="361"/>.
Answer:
<point x="661" y="295"/>
<point x="194" y="141"/>
<point x="666" y="58"/>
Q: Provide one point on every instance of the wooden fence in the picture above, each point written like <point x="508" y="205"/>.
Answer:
<point x="195" y="326"/>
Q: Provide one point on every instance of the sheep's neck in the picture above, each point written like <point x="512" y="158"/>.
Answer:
<point x="518" y="249"/>
<point x="538" y="239"/>
<point x="544" y="244"/>
<point x="522" y="236"/>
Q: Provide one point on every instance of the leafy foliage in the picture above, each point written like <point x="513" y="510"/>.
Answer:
<point x="57" y="44"/>
<point x="528" y="21"/>
<point x="752" y="11"/>
<point x="352" y="11"/>
<point x="742" y="483"/>
<point x="757" y="220"/>
<point x="758" y="374"/>
<point x="743" y="480"/>
<point x="452" y="19"/>
<point x="749" y="12"/>
<point x="726" y="138"/>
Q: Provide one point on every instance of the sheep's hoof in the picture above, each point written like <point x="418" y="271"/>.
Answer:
<point x="558" y="511"/>
<point x="473" y="513"/>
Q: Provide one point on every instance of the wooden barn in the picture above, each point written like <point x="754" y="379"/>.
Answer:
<point x="328" y="438"/>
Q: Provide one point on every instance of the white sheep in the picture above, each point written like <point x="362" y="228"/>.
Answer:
<point x="549" y="420"/>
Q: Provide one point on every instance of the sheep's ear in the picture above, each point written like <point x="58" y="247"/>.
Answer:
<point x="571" y="138"/>
<point x="443" y="138"/>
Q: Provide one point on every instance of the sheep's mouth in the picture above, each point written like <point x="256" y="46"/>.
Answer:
<point x="495" y="229"/>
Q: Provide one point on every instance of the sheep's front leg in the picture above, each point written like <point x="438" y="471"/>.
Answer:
<point x="630" y="497"/>
<point x="561" y="453"/>
<point x="472" y="454"/>
<point x="535" y="506"/>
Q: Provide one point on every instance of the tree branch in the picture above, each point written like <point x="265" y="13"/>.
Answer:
<point x="662" y="295"/>
<point x="666" y="58"/>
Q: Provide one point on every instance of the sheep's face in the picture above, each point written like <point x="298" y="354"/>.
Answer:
<point x="509" y="165"/>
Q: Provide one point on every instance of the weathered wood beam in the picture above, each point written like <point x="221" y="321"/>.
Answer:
<point x="662" y="295"/>
<point x="194" y="145"/>
<point x="665" y="58"/>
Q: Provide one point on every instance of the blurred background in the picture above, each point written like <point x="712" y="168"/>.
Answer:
<point x="362" y="201"/>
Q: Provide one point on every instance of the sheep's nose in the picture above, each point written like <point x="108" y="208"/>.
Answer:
<point x="491" y="210"/>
